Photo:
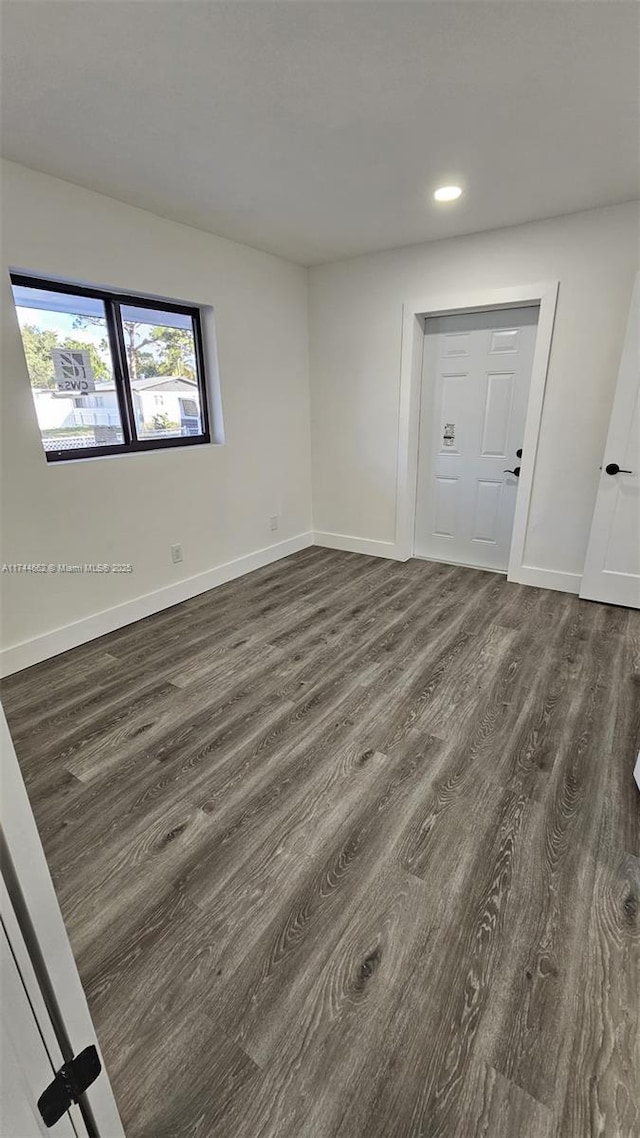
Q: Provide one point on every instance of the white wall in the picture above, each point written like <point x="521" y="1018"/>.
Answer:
<point x="355" y="339"/>
<point x="215" y="500"/>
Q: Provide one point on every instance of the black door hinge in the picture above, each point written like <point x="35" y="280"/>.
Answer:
<point x="71" y="1081"/>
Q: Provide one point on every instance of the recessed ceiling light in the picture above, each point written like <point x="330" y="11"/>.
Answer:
<point x="447" y="193"/>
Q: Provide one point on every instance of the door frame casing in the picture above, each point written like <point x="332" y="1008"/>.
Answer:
<point x="414" y="313"/>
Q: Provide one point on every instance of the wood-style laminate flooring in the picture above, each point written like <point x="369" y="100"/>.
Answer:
<point x="350" y="848"/>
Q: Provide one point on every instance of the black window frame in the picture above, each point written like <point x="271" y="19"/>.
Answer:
<point x="113" y="302"/>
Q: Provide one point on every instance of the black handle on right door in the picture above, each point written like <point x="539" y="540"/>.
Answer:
<point x="516" y="471"/>
<point x="613" y="468"/>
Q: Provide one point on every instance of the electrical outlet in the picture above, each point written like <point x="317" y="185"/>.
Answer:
<point x="273" y="522"/>
<point x="176" y="554"/>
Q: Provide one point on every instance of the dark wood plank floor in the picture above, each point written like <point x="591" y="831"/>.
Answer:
<point x="350" y="849"/>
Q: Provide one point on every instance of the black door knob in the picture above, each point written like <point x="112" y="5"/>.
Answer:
<point x="613" y="468"/>
<point x="516" y="471"/>
<point x="519" y="452"/>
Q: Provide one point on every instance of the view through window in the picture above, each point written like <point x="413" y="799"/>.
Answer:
<point x="110" y="373"/>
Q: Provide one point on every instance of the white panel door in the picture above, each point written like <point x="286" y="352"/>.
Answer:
<point x="475" y="386"/>
<point x="26" y="1066"/>
<point x="57" y="970"/>
<point x="612" y="565"/>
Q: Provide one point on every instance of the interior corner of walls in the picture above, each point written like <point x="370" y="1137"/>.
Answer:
<point x="19" y="656"/>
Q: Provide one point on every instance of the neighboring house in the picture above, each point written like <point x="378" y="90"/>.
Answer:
<point x="167" y="403"/>
<point x="53" y="409"/>
<point x="175" y="397"/>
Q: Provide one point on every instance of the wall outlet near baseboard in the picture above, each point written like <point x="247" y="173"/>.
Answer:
<point x="273" y="522"/>
<point x="176" y="554"/>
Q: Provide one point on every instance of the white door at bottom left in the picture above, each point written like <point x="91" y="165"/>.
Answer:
<point x="25" y="1066"/>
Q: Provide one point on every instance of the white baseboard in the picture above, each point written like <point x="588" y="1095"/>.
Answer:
<point x="19" y="656"/>
<point x="357" y="545"/>
<point x="547" y="579"/>
<point x="29" y="652"/>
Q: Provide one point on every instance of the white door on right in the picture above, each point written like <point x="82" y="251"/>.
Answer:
<point x="612" y="565"/>
<point x="475" y="387"/>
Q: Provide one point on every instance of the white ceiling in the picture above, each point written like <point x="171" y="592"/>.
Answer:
<point x="318" y="130"/>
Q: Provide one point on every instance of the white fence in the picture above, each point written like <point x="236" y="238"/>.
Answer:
<point x="68" y="442"/>
<point x="81" y="442"/>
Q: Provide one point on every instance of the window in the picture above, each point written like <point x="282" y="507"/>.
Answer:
<point x="111" y="373"/>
